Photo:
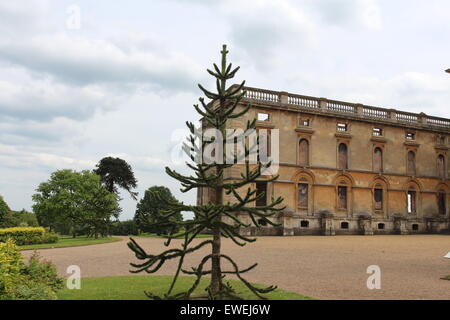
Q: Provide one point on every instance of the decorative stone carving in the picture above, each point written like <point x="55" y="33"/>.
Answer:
<point x="365" y="223"/>
<point x="327" y="222"/>
<point x="400" y="224"/>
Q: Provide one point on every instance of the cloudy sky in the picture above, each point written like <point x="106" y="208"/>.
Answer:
<point x="120" y="78"/>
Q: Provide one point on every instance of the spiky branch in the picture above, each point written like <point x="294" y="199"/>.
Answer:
<point x="206" y="174"/>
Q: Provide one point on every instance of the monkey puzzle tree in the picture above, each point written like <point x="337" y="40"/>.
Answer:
<point x="219" y="215"/>
<point x="116" y="172"/>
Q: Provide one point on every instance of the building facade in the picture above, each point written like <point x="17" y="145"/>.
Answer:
<point x="349" y="168"/>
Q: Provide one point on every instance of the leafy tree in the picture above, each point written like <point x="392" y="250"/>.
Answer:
<point x="219" y="215"/>
<point x="117" y="173"/>
<point x="150" y="211"/>
<point x="5" y="211"/>
<point x="75" y="200"/>
<point x="124" y="228"/>
<point x="22" y="218"/>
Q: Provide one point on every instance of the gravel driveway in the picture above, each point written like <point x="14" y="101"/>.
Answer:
<point x="316" y="266"/>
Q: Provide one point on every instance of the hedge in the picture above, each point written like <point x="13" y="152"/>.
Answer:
<point x="27" y="235"/>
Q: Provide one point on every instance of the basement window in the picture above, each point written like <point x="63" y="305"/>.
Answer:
<point x="263" y="116"/>
<point x="381" y="226"/>
<point x="344" y="225"/>
<point x="262" y="222"/>
<point x="304" y="224"/>
<point x="415" y="227"/>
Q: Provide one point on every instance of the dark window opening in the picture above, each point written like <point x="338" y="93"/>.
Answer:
<point x="411" y="198"/>
<point x="415" y="227"/>
<point x="381" y="226"/>
<point x="441" y="203"/>
<point x="377" y="132"/>
<point x="342" y="197"/>
<point x="303" y="152"/>
<point x="261" y="188"/>
<point x="343" y="156"/>
<point x="378" y="160"/>
<point x="304" y="224"/>
<point x="262" y="222"/>
<point x="378" y="198"/>
<point x="303" y="195"/>
<point x="344" y="225"/>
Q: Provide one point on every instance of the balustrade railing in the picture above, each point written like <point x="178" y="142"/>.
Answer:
<point x="339" y="107"/>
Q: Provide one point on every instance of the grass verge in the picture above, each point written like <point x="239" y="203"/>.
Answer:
<point x="70" y="242"/>
<point x="133" y="287"/>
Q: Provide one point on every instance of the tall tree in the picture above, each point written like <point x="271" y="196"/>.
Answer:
<point x="220" y="216"/>
<point x="117" y="173"/>
<point x="74" y="199"/>
<point x="5" y="212"/>
<point x="150" y="211"/>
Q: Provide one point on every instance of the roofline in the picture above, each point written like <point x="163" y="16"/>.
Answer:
<point x="341" y="108"/>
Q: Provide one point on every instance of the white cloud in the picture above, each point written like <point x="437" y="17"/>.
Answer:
<point x="83" y="61"/>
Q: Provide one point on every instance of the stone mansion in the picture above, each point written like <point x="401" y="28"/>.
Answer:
<point x="348" y="168"/>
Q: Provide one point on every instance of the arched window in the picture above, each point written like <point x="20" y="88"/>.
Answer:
<point x="441" y="166"/>
<point x="343" y="157"/>
<point x="342" y="197"/>
<point x="378" y="160"/>
<point x="441" y="202"/>
<point x="411" y="199"/>
<point x="411" y="165"/>
<point x="303" y="156"/>
<point x="378" y="197"/>
<point x="303" y="195"/>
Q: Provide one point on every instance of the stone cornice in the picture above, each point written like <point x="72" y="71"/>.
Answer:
<point x="276" y="100"/>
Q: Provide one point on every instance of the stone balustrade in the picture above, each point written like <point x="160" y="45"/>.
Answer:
<point x="340" y="107"/>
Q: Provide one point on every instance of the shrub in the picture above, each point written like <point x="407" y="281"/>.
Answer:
<point x="27" y="235"/>
<point x="124" y="228"/>
<point x="37" y="280"/>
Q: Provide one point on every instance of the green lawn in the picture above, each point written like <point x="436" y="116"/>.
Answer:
<point x="70" y="242"/>
<point x="133" y="287"/>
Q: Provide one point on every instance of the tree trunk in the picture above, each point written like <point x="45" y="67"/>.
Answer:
<point x="216" y="272"/>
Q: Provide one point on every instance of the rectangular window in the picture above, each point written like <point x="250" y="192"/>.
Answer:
<point x="411" y="201"/>
<point x="263" y="116"/>
<point x="303" y="196"/>
<point x="342" y="198"/>
<point x="378" y="198"/>
<point x="342" y="127"/>
<point x="377" y="132"/>
<point x="304" y="122"/>
<point x="441" y="203"/>
<point x="264" y="150"/>
<point x="261" y="187"/>
<point x="410" y="136"/>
